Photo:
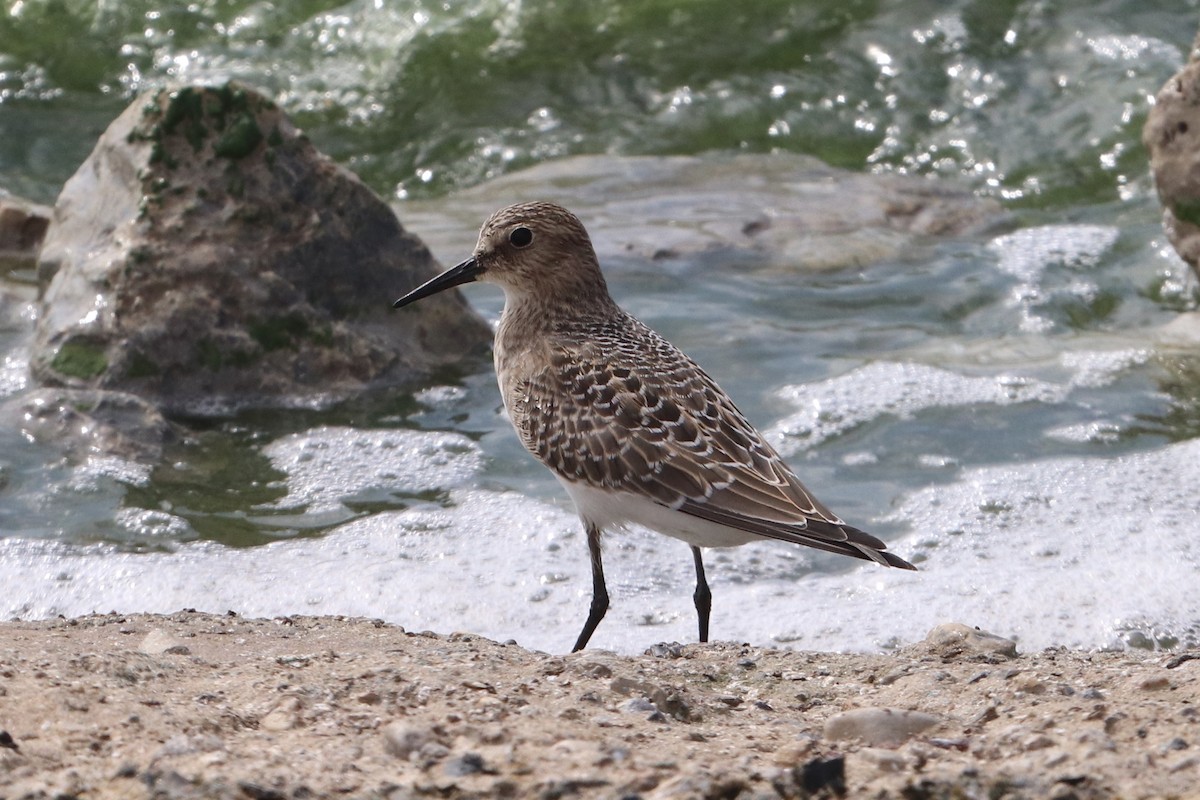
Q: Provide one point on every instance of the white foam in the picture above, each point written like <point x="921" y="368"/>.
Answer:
<point x="438" y="396"/>
<point x="1093" y="369"/>
<point x="150" y="524"/>
<point x="834" y="406"/>
<point x="1077" y="552"/>
<point x="1071" y="551"/>
<point x="96" y="470"/>
<point x="839" y="404"/>
<point x="14" y="374"/>
<point x="475" y="565"/>
<point x="1028" y="253"/>
<point x="1100" y="432"/>
<point x="328" y="465"/>
<point x="498" y="564"/>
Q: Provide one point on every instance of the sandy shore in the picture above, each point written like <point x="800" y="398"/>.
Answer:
<point x="196" y="706"/>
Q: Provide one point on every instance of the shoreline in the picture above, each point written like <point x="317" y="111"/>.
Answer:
<point x="194" y="705"/>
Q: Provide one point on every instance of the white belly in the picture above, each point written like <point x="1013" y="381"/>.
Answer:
<point x="606" y="509"/>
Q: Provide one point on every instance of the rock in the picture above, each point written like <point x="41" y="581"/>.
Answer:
<point x="1172" y="135"/>
<point x="402" y="739"/>
<point x="953" y="640"/>
<point x="22" y="226"/>
<point x="207" y="257"/>
<point x="878" y="727"/>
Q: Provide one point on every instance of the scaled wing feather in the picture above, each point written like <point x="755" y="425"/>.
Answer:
<point x="649" y="421"/>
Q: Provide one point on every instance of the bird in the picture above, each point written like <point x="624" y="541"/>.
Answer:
<point x="634" y="430"/>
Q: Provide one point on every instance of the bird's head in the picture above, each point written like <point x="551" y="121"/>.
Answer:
<point x="530" y="249"/>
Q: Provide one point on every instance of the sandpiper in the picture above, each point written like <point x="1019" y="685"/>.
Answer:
<point x="635" y="430"/>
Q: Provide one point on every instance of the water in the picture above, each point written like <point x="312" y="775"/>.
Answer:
<point x="1013" y="409"/>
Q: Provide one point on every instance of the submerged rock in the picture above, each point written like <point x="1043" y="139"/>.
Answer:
<point x="206" y="256"/>
<point x="1172" y="135"/>
<point x="84" y="422"/>
<point x="778" y="212"/>
<point x="22" y="226"/>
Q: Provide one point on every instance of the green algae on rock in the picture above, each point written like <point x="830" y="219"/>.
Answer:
<point x="79" y="359"/>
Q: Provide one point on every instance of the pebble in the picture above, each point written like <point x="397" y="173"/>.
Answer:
<point x="668" y="650"/>
<point x="983" y="717"/>
<point x="1187" y="763"/>
<point x="284" y="716"/>
<point x="953" y="640"/>
<point x="824" y="776"/>
<point x="674" y="704"/>
<point x="1029" y="684"/>
<point x="578" y="749"/>
<point x="883" y="760"/>
<point x="158" y="642"/>
<point x="878" y="727"/>
<point x="895" y="675"/>
<point x="1152" y="683"/>
<point x="628" y="686"/>
<point x="181" y="744"/>
<point x="466" y="764"/>
<point x="691" y="785"/>
<point x="599" y="671"/>
<point x="639" y="705"/>
<point x="1038" y="741"/>
<point x="402" y="739"/>
<point x="431" y="752"/>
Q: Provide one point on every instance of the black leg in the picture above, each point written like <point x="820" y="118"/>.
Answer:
<point x="702" y="596"/>
<point x="599" y="590"/>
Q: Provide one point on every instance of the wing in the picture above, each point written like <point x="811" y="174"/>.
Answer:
<point x="626" y="410"/>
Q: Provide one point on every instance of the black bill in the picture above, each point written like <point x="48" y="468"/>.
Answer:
<point x="465" y="272"/>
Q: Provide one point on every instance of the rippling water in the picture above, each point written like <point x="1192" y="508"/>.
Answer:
<point x="1011" y="408"/>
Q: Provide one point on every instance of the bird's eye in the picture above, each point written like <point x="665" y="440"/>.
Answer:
<point x="520" y="237"/>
